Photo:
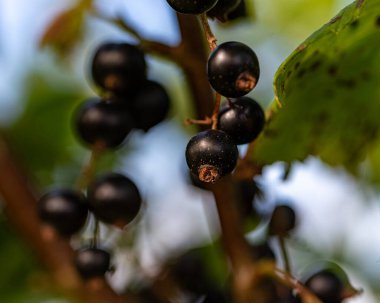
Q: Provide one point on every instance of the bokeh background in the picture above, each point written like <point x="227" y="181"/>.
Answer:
<point x="338" y="215"/>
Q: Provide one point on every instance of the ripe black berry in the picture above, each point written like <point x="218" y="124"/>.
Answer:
<point x="191" y="272"/>
<point x="63" y="209"/>
<point x="150" y="105"/>
<point x="102" y="123"/>
<point x="211" y="154"/>
<point x="192" y="6"/>
<point x="92" y="262"/>
<point x="239" y="12"/>
<point x="243" y="120"/>
<point x="114" y="199"/>
<point x="222" y="9"/>
<point x="326" y="285"/>
<point x="233" y="69"/>
<point x="283" y="220"/>
<point x="119" y="67"/>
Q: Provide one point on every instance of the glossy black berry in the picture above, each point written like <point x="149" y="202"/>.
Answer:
<point x="118" y="67"/>
<point x="282" y="221"/>
<point x="221" y="10"/>
<point x="233" y="69"/>
<point x="63" y="209"/>
<point x="114" y="199"/>
<point x="92" y="262"/>
<point x="150" y="105"/>
<point x="102" y="123"/>
<point x="194" y="7"/>
<point x="243" y="120"/>
<point x="211" y="154"/>
<point x="326" y="285"/>
<point x="240" y="12"/>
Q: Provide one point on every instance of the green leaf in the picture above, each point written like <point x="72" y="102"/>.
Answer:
<point x="330" y="94"/>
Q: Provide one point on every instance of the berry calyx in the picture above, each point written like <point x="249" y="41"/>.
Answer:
<point x="118" y="67"/>
<point x="102" y="123"/>
<point x="114" y="199"/>
<point x="233" y="69"/>
<point x="282" y="221"/>
<point x="92" y="262"/>
<point x="326" y="285"/>
<point x="211" y="154"/>
<point x="243" y="120"/>
<point x="63" y="209"/>
<point x="193" y="7"/>
<point x="222" y="9"/>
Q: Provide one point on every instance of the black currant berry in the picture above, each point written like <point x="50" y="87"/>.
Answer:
<point x="92" y="262"/>
<point x="102" y="123"/>
<point x="211" y="154"/>
<point x="243" y="120"/>
<point x="239" y="12"/>
<point x="150" y="105"/>
<point x="114" y="199"/>
<point x="222" y="9"/>
<point x="119" y="67"/>
<point x="282" y="221"/>
<point x="191" y="273"/>
<point x="63" y="209"/>
<point x="262" y="252"/>
<point x="233" y="69"/>
<point x="326" y="285"/>
<point x="193" y="7"/>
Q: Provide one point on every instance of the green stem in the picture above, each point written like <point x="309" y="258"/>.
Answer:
<point x="284" y="252"/>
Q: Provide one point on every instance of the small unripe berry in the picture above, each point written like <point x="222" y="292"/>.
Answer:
<point x="283" y="220"/>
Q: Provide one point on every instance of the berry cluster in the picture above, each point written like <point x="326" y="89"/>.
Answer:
<point x="103" y="123"/>
<point x="233" y="71"/>
<point x="129" y="100"/>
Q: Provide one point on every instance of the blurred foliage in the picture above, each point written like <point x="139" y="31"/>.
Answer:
<point x="329" y="86"/>
<point x="42" y="135"/>
<point x="66" y="29"/>
<point x="294" y="19"/>
<point x="20" y="274"/>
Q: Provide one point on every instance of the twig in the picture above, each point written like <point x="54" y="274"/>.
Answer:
<point x="211" y="39"/>
<point x="284" y="252"/>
